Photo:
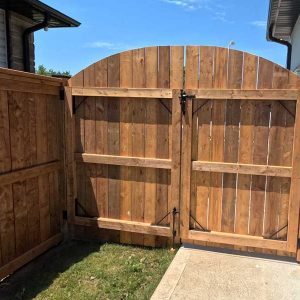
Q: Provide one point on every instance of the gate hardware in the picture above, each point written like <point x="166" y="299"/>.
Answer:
<point x="174" y="213"/>
<point x="75" y="107"/>
<point x="201" y="106"/>
<point x="183" y="98"/>
<point x="62" y="93"/>
<point x="165" y="106"/>
<point x="292" y="114"/>
<point x="199" y="225"/>
<point x="65" y="214"/>
<point x="77" y="206"/>
<point x="269" y="237"/>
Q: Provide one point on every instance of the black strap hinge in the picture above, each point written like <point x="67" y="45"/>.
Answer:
<point x="62" y="93"/>
<point x="183" y="98"/>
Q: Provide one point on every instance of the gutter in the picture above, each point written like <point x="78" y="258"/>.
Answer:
<point x="282" y="42"/>
<point x="26" y="44"/>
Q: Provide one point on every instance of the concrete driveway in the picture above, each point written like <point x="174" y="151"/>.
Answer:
<point x="202" y="274"/>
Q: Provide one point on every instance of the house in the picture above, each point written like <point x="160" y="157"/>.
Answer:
<point x="283" y="27"/>
<point x="19" y="19"/>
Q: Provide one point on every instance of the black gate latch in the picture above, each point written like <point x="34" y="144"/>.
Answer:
<point x="183" y="98"/>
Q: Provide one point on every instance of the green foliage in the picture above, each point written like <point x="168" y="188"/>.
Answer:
<point x="88" y="271"/>
<point x="42" y="70"/>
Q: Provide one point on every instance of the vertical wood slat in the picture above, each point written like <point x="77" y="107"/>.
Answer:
<point x="151" y="66"/>
<point x="204" y="134"/>
<point x="243" y="202"/>
<point x="231" y="144"/>
<point x="260" y="150"/>
<point x="138" y="143"/>
<point x="113" y="140"/>
<point x="217" y="146"/>
<point x="126" y="66"/>
<point x="163" y="119"/>
<point x="176" y="81"/>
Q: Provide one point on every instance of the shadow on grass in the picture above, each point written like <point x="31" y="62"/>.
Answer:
<point x="35" y="277"/>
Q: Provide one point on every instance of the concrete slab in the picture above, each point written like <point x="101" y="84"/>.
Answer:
<point x="202" y="274"/>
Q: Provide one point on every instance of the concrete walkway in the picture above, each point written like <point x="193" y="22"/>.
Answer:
<point x="202" y="274"/>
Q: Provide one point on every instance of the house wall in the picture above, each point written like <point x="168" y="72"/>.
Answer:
<point x="3" y="43"/>
<point x="295" y="38"/>
<point x="17" y="26"/>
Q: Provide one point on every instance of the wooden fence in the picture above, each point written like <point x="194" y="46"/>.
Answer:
<point x="31" y="167"/>
<point x="157" y="144"/>
<point x="239" y="146"/>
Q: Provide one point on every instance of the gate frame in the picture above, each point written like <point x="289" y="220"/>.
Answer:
<point x="172" y="164"/>
<point x="181" y="165"/>
<point x="294" y="172"/>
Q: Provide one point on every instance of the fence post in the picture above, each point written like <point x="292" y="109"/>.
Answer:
<point x="69" y="160"/>
<point x="176" y="157"/>
<point x="294" y="203"/>
<point x="186" y="157"/>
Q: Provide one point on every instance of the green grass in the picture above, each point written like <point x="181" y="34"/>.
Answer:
<point x="88" y="270"/>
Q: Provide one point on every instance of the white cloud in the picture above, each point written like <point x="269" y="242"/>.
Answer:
<point x="217" y="10"/>
<point x="188" y="4"/>
<point x="110" y="45"/>
<point x="259" y="23"/>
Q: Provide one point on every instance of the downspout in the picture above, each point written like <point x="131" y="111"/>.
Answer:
<point x="282" y="42"/>
<point x="26" y="45"/>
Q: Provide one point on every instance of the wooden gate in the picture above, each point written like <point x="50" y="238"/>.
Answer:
<point x="234" y="146"/>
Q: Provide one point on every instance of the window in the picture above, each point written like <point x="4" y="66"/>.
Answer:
<point x="3" y="42"/>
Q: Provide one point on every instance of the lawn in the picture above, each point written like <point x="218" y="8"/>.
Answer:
<point x="89" y="270"/>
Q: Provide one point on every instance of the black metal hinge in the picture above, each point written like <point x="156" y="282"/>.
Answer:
<point x="62" y="93"/>
<point x="65" y="215"/>
<point x="183" y="98"/>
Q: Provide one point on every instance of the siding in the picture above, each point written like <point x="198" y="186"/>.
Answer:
<point x="296" y="46"/>
<point x="3" y="44"/>
<point x="18" y="24"/>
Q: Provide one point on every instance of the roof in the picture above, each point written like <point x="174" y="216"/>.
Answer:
<point x="283" y="14"/>
<point x="36" y="11"/>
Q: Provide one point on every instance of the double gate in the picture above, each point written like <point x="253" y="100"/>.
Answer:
<point x="197" y="143"/>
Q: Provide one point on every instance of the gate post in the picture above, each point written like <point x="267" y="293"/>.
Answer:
<point x="69" y="158"/>
<point x="176" y="160"/>
<point x="186" y="157"/>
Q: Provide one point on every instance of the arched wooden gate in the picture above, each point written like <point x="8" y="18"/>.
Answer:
<point x="217" y="162"/>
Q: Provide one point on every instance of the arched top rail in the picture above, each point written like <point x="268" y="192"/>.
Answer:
<point x="189" y="67"/>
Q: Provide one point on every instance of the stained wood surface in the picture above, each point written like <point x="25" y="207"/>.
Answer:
<point x="237" y="144"/>
<point x="31" y="166"/>
<point x="133" y="137"/>
<point x="233" y="129"/>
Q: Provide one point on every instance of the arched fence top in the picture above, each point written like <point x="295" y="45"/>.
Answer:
<point x="202" y="67"/>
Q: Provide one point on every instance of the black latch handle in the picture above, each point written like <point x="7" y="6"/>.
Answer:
<point x="183" y="98"/>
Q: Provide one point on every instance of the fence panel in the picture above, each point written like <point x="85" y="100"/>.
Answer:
<point x="31" y="167"/>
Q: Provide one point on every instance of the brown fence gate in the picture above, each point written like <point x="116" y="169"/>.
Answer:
<point x="200" y="143"/>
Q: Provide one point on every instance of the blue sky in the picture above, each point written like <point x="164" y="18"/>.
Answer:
<point x="111" y="26"/>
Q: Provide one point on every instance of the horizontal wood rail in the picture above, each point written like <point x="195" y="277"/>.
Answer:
<point x="245" y="94"/>
<point x="23" y="174"/>
<point x="130" y="226"/>
<point x="265" y="170"/>
<point x="29" y="255"/>
<point x="129" y="161"/>
<point x="122" y="92"/>
<point x="29" y="87"/>
<point x="237" y="239"/>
